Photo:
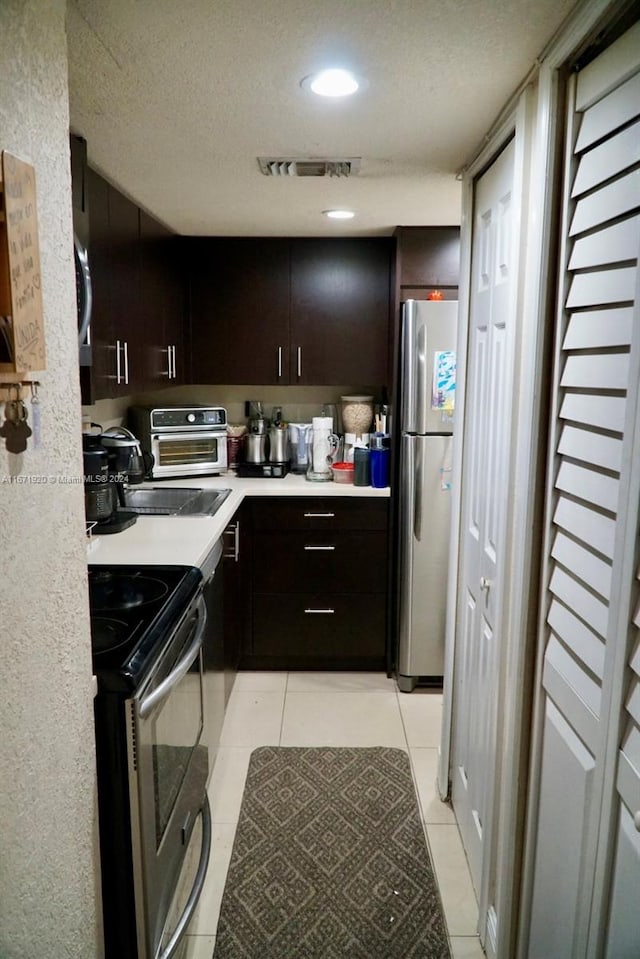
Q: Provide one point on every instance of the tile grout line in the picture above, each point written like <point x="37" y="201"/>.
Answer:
<point x="284" y="704"/>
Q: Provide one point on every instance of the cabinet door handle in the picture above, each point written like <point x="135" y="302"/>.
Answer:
<point x="315" y="549"/>
<point x="299" y="362"/>
<point x="236" y="542"/>
<point x="173" y="354"/>
<point x="279" y="362"/>
<point x="233" y="530"/>
<point x="319" y="515"/>
<point x="320" y="612"/>
<point x="168" y="362"/>
<point x="126" y="363"/>
<point x="118" y="369"/>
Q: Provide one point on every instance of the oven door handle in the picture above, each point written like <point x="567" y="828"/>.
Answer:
<point x="180" y="669"/>
<point x="198" y="883"/>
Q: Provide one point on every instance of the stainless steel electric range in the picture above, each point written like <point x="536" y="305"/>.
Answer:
<point x="147" y="626"/>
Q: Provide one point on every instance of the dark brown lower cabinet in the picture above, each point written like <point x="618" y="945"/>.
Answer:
<point x="322" y="630"/>
<point x="318" y="578"/>
<point x="234" y="564"/>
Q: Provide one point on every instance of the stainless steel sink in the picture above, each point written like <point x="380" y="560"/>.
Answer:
<point x="174" y="501"/>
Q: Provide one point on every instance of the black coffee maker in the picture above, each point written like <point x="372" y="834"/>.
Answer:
<point x="103" y="486"/>
<point x="127" y="461"/>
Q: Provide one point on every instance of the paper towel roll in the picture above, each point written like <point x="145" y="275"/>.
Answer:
<point x="321" y="450"/>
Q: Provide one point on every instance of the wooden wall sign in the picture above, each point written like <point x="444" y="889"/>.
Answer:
<point x="21" y="320"/>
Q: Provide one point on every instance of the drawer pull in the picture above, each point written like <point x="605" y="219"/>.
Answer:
<point x="324" y="612"/>
<point x="314" y="549"/>
<point x="319" y="515"/>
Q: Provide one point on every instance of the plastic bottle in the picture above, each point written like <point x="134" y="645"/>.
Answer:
<point x="361" y="473"/>
<point x="379" y="460"/>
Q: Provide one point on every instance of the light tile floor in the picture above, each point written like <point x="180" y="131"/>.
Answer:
<point x="338" y="709"/>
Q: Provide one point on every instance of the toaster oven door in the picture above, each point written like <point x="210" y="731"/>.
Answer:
<point x="189" y="453"/>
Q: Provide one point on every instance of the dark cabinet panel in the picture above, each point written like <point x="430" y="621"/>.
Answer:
<point x="289" y="311"/>
<point x="340" y="298"/>
<point x="344" y="562"/>
<point x="429" y="258"/>
<point x="175" y="313"/>
<point x="162" y="303"/>
<point x="235" y="591"/>
<point x="127" y="319"/>
<point x="316" y="630"/>
<point x="117" y="334"/>
<point x="239" y="291"/>
<point x="317" y="582"/>
<point x="330" y="513"/>
<point x="138" y="297"/>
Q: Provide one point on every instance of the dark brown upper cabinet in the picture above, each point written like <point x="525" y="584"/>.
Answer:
<point x="340" y="292"/>
<point x="137" y="321"/>
<point x="289" y="311"/>
<point x="128" y="334"/>
<point x="428" y="259"/>
<point x="162" y="303"/>
<point x="239" y="298"/>
<point x="117" y="336"/>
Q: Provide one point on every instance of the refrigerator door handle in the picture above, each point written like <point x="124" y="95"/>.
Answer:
<point x="405" y="557"/>
<point x="417" y="494"/>
<point x="423" y="401"/>
<point x="408" y="385"/>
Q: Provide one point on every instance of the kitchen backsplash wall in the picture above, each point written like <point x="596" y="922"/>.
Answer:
<point x="107" y="413"/>
<point x="299" y="403"/>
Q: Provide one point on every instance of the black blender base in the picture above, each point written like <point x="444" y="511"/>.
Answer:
<point x="273" y="470"/>
<point x="120" y="520"/>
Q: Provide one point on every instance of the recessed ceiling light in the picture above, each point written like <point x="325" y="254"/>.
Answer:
<point x="333" y="83"/>
<point x="339" y="214"/>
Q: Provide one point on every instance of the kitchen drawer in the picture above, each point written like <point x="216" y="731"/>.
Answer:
<point x="330" y="513"/>
<point x="323" y="629"/>
<point x="330" y="561"/>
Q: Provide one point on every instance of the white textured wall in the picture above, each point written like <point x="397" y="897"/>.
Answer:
<point x="48" y="901"/>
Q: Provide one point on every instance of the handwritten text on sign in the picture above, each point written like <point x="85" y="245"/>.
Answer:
<point x="24" y="262"/>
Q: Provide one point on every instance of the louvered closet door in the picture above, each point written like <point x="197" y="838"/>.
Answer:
<point x="591" y="564"/>
<point x="622" y="894"/>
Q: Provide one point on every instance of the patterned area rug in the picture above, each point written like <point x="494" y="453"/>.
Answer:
<point x="330" y="861"/>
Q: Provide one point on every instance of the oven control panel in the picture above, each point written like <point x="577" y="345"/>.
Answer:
<point x="188" y="417"/>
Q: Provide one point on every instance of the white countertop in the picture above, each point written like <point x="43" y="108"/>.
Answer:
<point x="187" y="540"/>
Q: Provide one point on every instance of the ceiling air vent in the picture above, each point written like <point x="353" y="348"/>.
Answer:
<point x="299" y="166"/>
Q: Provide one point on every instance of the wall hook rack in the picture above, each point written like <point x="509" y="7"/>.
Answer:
<point x="9" y="387"/>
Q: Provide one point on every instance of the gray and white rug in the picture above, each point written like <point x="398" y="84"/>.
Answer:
<point x="330" y="861"/>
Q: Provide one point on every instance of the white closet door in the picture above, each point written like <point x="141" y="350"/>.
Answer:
<point x="589" y="564"/>
<point x="484" y="503"/>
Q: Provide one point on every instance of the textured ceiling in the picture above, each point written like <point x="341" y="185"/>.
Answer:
<point x="177" y="99"/>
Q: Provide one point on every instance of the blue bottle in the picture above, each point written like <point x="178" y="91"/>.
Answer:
<point x="379" y="461"/>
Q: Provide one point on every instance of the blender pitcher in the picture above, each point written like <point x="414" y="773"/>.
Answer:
<point x="323" y="447"/>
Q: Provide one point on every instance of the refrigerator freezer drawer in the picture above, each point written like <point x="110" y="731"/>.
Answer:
<point x="425" y="519"/>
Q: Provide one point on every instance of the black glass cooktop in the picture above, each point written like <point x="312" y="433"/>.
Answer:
<point x="133" y="608"/>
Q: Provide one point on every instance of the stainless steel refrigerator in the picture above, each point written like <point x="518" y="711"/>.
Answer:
<point x="427" y="394"/>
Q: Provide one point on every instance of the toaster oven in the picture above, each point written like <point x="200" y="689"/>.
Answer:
<point x="183" y="440"/>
